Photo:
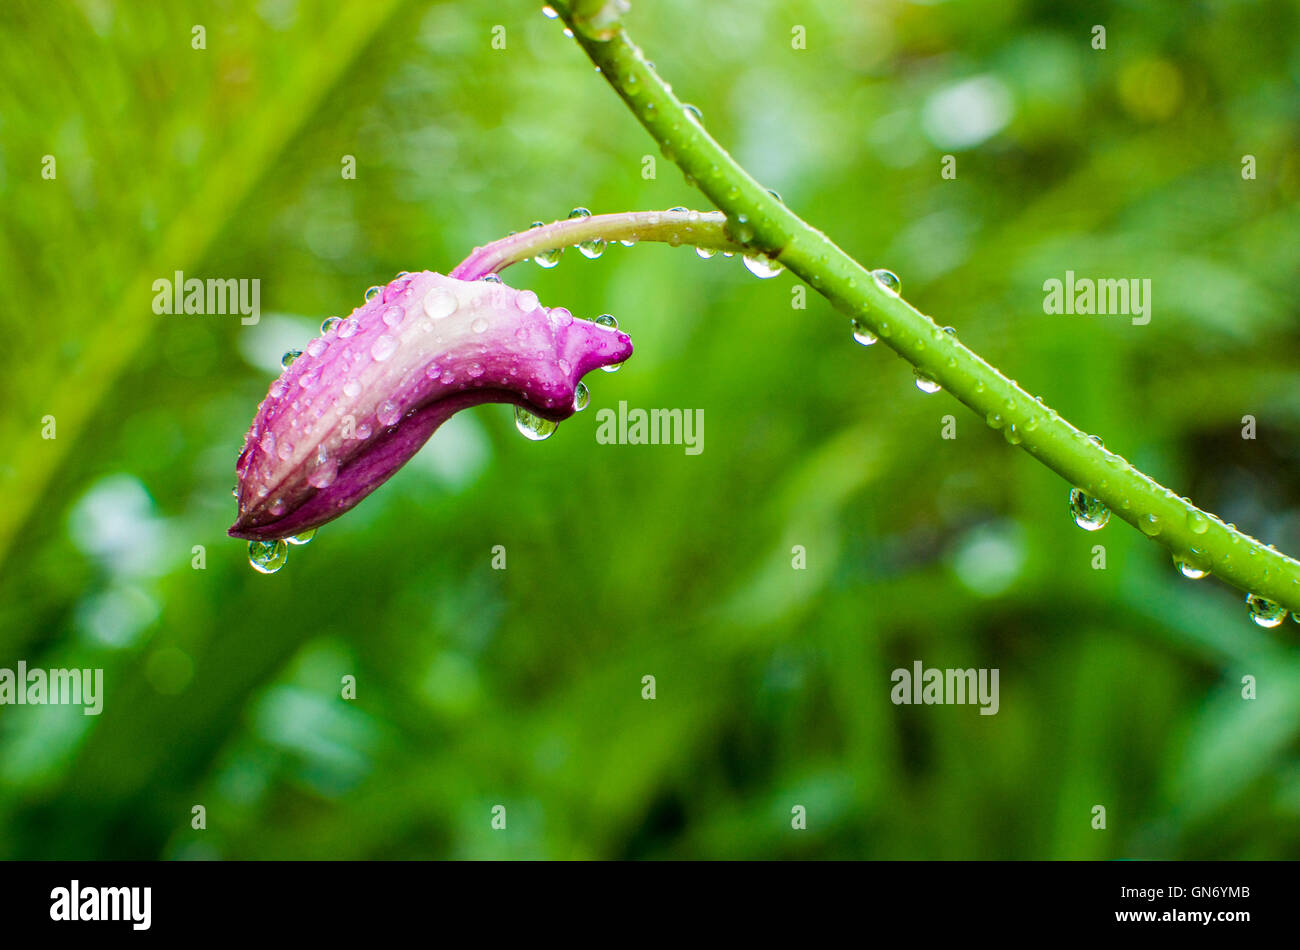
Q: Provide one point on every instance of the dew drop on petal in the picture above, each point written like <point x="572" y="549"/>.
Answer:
<point x="329" y="323"/>
<point x="527" y="301"/>
<point x="607" y="320"/>
<point x="267" y="557"/>
<point x="287" y="360"/>
<point x="1088" y="513"/>
<point x="388" y="413"/>
<point x="393" y="315"/>
<point x="373" y="292"/>
<point x="479" y="325"/>
<point x="383" y="348"/>
<point x="348" y="327"/>
<point x="352" y="389"/>
<point x="440" y="302"/>
<point x="317" y="346"/>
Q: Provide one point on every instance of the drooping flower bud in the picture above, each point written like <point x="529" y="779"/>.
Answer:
<point x="363" y="398"/>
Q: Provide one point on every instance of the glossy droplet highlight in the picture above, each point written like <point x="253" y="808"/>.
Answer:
<point x="383" y="348"/>
<point x="1265" y="612"/>
<point x="581" y="397"/>
<point x="287" y="360"/>
<point x="607" y="320"/>
<point x="1088" y="513"/>
<point x="394" y="315"/>
<point x="888" y="281"/>
<point x="1189" y="567"/>
<point x="760" y="266"/>
<point x="373" y="292"/>
<point x="302" y="538"/>
<point x="532" y="426"/>
<point x="329" y="323"/>
<point x="925" y="383"/>
<point x="862" y="333"/>
<point x="439" y="303"/>
<point x="267" y="557"/>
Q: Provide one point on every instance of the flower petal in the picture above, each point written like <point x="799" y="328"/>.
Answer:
<point x="363" y="398"/>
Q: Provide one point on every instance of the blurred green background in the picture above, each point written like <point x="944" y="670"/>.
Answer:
<point x="475" y="687"/>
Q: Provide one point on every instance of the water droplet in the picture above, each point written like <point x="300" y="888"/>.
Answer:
<point x="1012" y="434"/>
<point x="373" y="292"/>
<point x="1088" y="513"/>
<point x="1265" y="612"/>
<point x="1189" y="567"/>
<point x="888" y="281"/>
<point x="383" y="348"/>
<point x="592" y="249"/>
<point x="287" y="360"/>
<point x="1149" y="524"/>
<point x="474" y="370"/>
<point x="763" y="267"/>
<point x="329" y="323"/>
<point x="440" y="302"/>
<point x="705" y="252"/>
<point x="861" y="333"/>
<point x="303" y="537"/>
<point x="607" y="320"/>
<point x="352" y="389"/>
<point x="1197" y="523"/>
<point x="388" y="413"/>
<point x="317" y="346"/>
<point x="363" y="431"/>
<point x="548" y="259"/>
<point x="925" y="383"/>
<point x="394" y="315"/>
<point x="492" y="279"/>
<point x="581" y="397"/>
<point x="479" y="325"/>
<point x="348" y="327"/>
<point x="527" y="301"/>
<point x="579" y="213"/>
<point x="548" y="11"/>
<point x="395" y="289"/>
<point x="692" y="110"/>
<point x="532" y="426"/>
<point x="267" y="556"/>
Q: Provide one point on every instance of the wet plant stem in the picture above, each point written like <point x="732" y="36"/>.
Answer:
<point x="759" y="223"/>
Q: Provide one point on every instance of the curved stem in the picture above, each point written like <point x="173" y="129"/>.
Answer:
<point x="700" y="228"/>
<point x="761" y="223"/>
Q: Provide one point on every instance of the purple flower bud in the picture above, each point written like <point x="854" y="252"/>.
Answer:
<point x="363" y="398"/>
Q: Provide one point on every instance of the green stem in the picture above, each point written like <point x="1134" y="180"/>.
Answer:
<point x="702" y="229"/>
<point x="760" y="222"/>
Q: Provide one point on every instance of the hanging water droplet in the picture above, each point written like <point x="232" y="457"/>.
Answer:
<point x="581" y="397"/>
<point x="287" y="360"/>
<point x="492" y="278"/>
<point x="592" y="249"/>
<point x="548" y="259"/>
<point x="607" y="320"/>
<point x="267" y="556"/>
<point x="373" y="292"/>
<point x="329" y="323"/>
<point x="705" y="252"/>
<point x="862" y="333"/>
<point x="888" y="281"/>
<point x="1188" y="567"/>
<point x="925" y="383"/>
<point x="303" y="537"/>
<point x="1088" y="513"/>
<point x="532" y="426"/>
<point x="760" y="266"/>
<point x="1265" y="612"/>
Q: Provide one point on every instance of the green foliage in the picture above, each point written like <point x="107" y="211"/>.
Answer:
<point x="522" y="687"/>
